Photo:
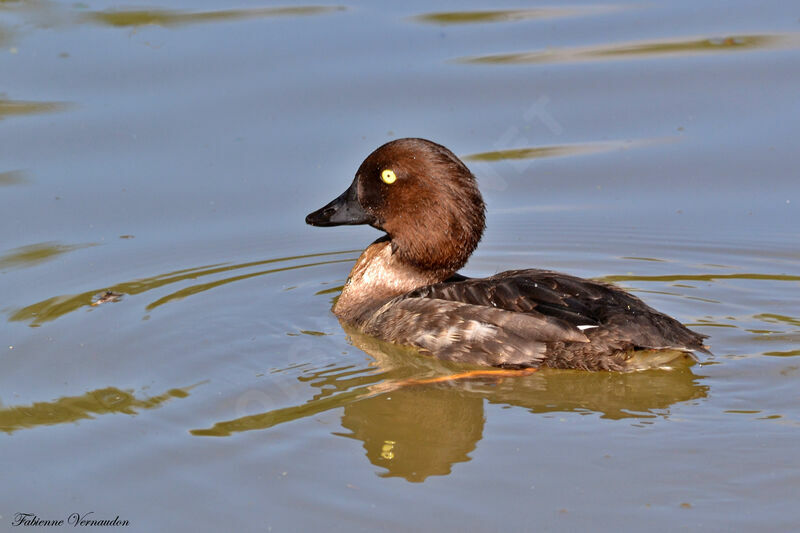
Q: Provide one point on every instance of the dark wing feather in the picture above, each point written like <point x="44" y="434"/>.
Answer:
<point x="525" y="291"/>
<point x="622" y="320"/>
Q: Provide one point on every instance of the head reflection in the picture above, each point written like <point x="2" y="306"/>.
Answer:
<point x="416" y="432"/>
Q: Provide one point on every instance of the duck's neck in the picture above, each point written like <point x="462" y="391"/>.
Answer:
<point x="377" y="277"/>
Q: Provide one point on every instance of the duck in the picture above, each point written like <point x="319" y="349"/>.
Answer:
<point x="405" y="287"/>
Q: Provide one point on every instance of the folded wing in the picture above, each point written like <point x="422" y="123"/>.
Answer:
<point x="511" y="319"/>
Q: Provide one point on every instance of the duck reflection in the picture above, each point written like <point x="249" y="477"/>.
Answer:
<point x="416" y="430"/>
<point x="415" y="433"/>
<point x="422" y="430"/>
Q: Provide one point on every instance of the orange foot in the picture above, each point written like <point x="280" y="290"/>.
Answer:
<point x="473" y="374"/>
<point x="389" y="386"/>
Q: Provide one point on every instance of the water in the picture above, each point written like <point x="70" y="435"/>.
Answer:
<point x="170" y="154"/>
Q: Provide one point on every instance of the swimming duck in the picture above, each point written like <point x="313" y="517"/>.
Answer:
<point x="404" y="288"/>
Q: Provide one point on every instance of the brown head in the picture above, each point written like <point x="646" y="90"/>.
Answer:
<point x="422" y="196"/>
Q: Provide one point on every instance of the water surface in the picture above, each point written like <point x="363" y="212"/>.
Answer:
<point x="168" y="154"/>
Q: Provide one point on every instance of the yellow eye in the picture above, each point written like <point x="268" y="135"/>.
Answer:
<point x="388" y="176"/>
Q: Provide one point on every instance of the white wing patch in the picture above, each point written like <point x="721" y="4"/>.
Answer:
<point x="469" y="332"/>
<point x="475" y="331"/>
<point x="583" y="328"/>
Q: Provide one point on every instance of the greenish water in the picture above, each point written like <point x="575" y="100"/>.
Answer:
<point x="170" y="153"/>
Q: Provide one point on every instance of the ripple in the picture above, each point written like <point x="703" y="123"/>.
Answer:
<point x="447" y="18"/>
<point x="772" y="318"/>
<point x="202" y="287"/>
<point x="787" y="353"/>
<point x="13" y="177"/>
<point x="562" y="150"/>
<point x="649" y="259"/>
<point x="34" y="254"/>
<point x="57" y="306"/>
<point x="166" y="18"/>
<point x="702" y="277"/>
<point x="643" y="49"/>
<point x="5" y="36"/>
<point x="22" y="107"/>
